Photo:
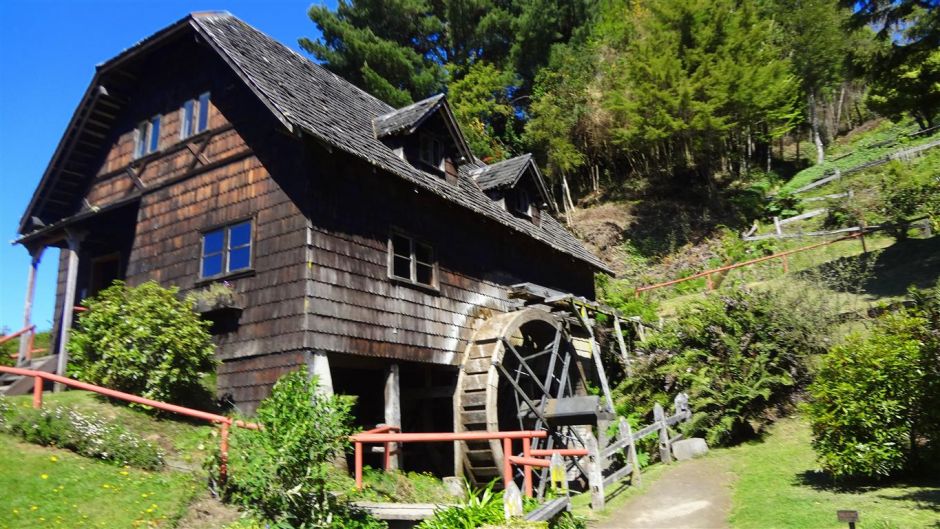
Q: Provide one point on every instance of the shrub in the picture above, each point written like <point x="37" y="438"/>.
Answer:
<point x="481" y="507"/>
<point x="739" y="355"/>
<point x="876" y="399"/>
<point x="87" y="435"/>
<point x="281" y="473"/>
<point x="142" y="340"/>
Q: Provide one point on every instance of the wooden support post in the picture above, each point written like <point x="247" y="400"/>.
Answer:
<point x="603" y="440"/>
<point x="595" y="476"/>
<point x="358" y="463"/>
<point x="223" y="453"/>
<point x="627" y="433"/>
<point x="777" y="228"/>
<point x="26" y="342"/>
<point x="709" y="284"/>
<point x="786" y="264"/>
<point x="74" y="241"/>
<point x="624" y="353"/>
<point x="861" y="237"/>
<point x="659" y="418"/>
<point x="393" y="413"/>
<point x="318" y="365"/>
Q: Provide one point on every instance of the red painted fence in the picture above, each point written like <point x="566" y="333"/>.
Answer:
<point x="225" y="423"/>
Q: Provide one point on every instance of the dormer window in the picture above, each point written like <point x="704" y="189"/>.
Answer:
<point x="519" y="202"/>
<point x="431" y="151"/>
<point x="194" y="116"/>
<point x="147" y="137"/>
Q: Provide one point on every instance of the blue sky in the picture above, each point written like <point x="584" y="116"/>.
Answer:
<point x="48" y="52"/>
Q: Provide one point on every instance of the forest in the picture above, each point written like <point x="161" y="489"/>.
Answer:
<point x="645" y="97"/>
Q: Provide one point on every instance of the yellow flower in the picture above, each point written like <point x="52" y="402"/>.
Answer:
<point x="123" y="472"/>
<point x="33" y="508"/>
<point x="53" y="459"/>
<point x="44" y="476"/>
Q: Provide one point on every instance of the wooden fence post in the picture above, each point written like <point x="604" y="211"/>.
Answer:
<point x="665" y="449"/>
<point x="627" y="433"/>
<point x="595" y="476"/>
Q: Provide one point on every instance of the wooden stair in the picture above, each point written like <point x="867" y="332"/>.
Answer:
<point x="11" y="385"/>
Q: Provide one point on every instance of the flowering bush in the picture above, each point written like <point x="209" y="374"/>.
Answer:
<point x="88" y="435"/>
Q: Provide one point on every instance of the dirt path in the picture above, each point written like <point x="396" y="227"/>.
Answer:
<point x="692" y="495"/>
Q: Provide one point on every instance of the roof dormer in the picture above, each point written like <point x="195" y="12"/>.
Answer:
<point x="518" y="184"/>
<point x="425" y="134"/>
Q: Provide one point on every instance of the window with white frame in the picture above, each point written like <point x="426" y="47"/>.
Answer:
<point x="411" y="261"/>
<point x="226" y="250"/>
<point x="194" y="116"/>
<point x="147" y="137"/>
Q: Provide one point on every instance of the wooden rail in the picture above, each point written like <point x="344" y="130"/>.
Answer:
<point x="781" y="255"/>
<point x="225" y="423"/>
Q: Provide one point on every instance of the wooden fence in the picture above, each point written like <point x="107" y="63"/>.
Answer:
<point x="600" y="475"/>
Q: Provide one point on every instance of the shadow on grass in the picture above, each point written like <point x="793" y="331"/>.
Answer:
<point x="928" y="494"/>
<point x="895" y="268"/>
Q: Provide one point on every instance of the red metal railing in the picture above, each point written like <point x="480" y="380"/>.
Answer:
<point x="530" y="458"/>
<point x="225" y="423"/>
<point x="30" y="349"/>
<point x="707" y="274"/>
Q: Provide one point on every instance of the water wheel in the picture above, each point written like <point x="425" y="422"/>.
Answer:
<point x="514" y="366"/>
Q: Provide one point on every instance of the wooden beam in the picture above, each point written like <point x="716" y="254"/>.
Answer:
<point x="74" y="241"/>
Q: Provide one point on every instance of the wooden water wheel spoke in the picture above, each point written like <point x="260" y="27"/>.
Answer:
<point x="514" y="366"/>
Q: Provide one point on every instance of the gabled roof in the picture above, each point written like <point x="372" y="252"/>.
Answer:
<point x="309" y="99"/>
<point x="507" y="173"/>
<point x="406" y="120"/>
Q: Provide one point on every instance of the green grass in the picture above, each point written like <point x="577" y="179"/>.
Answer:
<point x="778" y="487"/>
<point x="186" y="443"/>
<point x="859" y="150"/>
<point x="47" y="487"/>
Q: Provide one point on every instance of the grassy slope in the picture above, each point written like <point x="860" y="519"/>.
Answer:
<point x="855" y="149"/>
<point x="779" y="488"/>
<point x="47" y="487"/>
<point x="82" y="492"/>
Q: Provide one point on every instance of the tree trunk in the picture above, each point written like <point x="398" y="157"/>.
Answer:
<point x="839" y="108"/>
<point x="814" y="132"/>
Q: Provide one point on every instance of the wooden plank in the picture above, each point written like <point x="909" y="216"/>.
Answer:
<point x="617" y="475"/>
<point x="549" y="510"/>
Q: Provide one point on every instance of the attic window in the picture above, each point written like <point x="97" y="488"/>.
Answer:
<point x="147" y="137"/>
<point x="411" y="261"/>
<point x="519" y="202"/>
<point x="195" y="116"/>
<point x="431" y="151"/>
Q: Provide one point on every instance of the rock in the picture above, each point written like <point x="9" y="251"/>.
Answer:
<point x="689" y="448"/>
<point x="455" y="486"/>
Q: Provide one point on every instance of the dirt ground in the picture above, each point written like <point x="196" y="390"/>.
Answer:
<point x="693" y="494"/>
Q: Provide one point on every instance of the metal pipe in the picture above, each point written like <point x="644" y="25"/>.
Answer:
<point x="37" y="392"/>
<point x="530" y="461"/>
<point x="428" y="437"/>
<point x="358" y="466"/>
<point x="507" y="466"/>
<point x="527" y="469"/>
<point x="564" y="452"/>
<point x="223" y="453"/>
<point x="206" y="416"/>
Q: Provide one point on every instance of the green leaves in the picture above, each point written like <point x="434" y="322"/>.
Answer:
<point x="143" y="340"/>
<point x="739" y="356"/>
<point x="876" y="398"/>
<point x="281" y="472"/>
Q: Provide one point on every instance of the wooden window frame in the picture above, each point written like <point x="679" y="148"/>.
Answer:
<point x="434" y="140"/>
<point x="198" y="105"/>
<point x="144" y="141"/>
<point x="412" y="280"/>
<point x="226" y="249"/>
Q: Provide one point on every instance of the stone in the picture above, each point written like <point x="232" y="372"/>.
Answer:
<point x="455" y="486"/>
<point x="689" y="448"/>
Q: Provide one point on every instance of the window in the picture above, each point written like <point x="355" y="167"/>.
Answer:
<point x="147" y="137"/>
<point x="431" y="151"/>
<point x="520" y="202"/>
<point x="226" y="250"/>
<point x="411" y="260"/>
<point x="195" y="116"/>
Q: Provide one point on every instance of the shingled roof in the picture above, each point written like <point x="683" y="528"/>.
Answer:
<point x="406" y="119"/>
<point x="501" y="174"/>
<point x="308" y="98"/>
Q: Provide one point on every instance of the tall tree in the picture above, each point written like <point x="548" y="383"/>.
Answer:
<point x="905" y="74"/>
<point x="815" y="41"/>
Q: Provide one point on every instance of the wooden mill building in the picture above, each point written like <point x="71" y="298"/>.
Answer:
<point x="362" y="241"/>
